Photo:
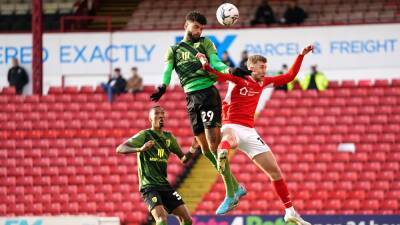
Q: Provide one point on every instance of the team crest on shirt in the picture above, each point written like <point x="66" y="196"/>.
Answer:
<point x="243" y="91"/>
<point x="246" y="92"/>
<point x="168" y="141"/>
<point x="154" y="199"/>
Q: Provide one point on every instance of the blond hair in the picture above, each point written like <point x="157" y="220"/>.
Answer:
<point x="256" y="58"/>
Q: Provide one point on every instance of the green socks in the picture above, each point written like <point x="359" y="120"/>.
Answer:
<point x="210" y="156"/>
<point x="231" y="184"/>
<point x="161" y="223"/>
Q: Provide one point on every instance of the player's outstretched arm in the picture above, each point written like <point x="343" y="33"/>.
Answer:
<point x="169" y="66"/>
<point x="221" y="77"/>
<point x="124" y="148"/>
<point x="307" y="50"/>
<point x="193" y="149"/>
<point x="293" y="71"/>
<point x="176" y="149"/>
<point x="217" y="63"/>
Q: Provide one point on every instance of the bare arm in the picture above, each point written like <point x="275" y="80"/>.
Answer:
<point x="124" y="148"/>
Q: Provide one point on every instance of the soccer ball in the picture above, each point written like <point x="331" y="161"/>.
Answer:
<point x="227" y="14"/>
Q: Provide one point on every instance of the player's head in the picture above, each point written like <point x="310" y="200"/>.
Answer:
<point x="156" y="116"/>
<point x="257" y="64"/>
<point x="195" y="22"/>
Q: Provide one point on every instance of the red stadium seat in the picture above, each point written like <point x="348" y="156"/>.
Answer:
<point x="86" y="89"/>
<point x="55" y="90"/>
<point x="70" y="90"/>
<point x="381" y="83"/>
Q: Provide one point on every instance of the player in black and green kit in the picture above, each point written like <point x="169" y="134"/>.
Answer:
<point x="153" y="147"/>
<point x="203" y="99"/>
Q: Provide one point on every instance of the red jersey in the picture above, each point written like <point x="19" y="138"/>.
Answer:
<point x="242" y="97"/>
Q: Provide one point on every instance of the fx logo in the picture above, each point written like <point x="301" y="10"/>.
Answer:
<point x="221" y="46"/>
<point x="23" y="222"/>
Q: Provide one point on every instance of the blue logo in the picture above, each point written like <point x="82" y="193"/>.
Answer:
<point x="23" y="222"/>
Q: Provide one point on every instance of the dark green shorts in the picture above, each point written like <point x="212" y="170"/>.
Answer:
<point x="170" y="199"/>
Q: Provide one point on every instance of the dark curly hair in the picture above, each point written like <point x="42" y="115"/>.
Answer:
<point x="196" y="16"/>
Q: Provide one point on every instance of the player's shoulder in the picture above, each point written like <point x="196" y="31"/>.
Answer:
<point x="167" y="133"/>
<point x="146" y="131"/>
<point x="141" y="133"/>
<point x="206" y="41"/>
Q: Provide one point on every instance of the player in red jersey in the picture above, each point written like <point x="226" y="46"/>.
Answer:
<point x="238" y="130"/>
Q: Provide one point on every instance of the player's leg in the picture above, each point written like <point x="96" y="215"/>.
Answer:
<point x="229" y="141"/>
<point x="160" y="215"/>
<point x="155" y="205"/>
<point x="232" y="189"/>
<point x="267" y="163"/>
<point x="174" y="204"/>
<point x="198" y="127"/>
<point x="183" y="215"/>
<point x="213" y="138"/>
<point x="211" y="110"/>
<point x="201" y="139"/>
<point x="226" y="175"/>
<point x="204" y="110"/>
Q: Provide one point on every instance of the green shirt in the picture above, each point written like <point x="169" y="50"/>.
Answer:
<point x="152" y="164"/>
<point x="189" y="69"/>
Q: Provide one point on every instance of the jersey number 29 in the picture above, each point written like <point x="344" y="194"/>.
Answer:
<point x="207" y="116"/>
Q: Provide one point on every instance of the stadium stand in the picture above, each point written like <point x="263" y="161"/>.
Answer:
<point x="58" y="152"/>
<point x="16" y="15"/>
<point x="304" y="129"/>
<point x="149" y="14"/>
<point x="157" y="15"/>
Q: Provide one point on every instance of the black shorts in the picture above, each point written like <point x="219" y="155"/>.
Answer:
<point x="204" y="108"/>
<point x="170" y="199"/>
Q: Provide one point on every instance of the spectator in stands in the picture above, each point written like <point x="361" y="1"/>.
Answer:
<point x="283" y="71"/>
<point x="294" y="14"/>
<point x="83" y="7"/>
<point x="315" y="80"/>
<point x="226" y="59"/>
<point x="243" y="60"/>
<point x="17" y="76"/>
<point x="264" y="14"/>
<point x="115" y="85"/>
<point x="289" y="86"/>
<point x="135" y="83"/>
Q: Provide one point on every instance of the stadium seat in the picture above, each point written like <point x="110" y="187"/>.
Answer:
<point x="55" y="90"/>
<point x="71" y="152"/>
<point x="8" y="91"/>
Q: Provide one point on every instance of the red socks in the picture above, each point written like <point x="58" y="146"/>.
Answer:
<point x="283" y="192"/>
<point x="224" y="145"/>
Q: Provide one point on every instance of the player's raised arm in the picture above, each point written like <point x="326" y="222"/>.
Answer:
<point x="215" y="61"/>
<point x="167" y="73"/>
<point x="293" y="71"/>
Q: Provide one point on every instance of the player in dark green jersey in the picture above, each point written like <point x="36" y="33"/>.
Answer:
<point x="203" y="99"/>
<point x="153" y="147"/>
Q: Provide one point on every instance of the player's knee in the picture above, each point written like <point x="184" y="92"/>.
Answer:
<point x="275" y="174"/>
<point x="213" y="142"/>
<point x="187" y="221"/>
<point x="231" y="140"/>
<point x="161" y="220"/>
